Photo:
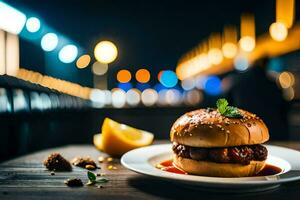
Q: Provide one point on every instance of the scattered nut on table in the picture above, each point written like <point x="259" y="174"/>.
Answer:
<point x="56" y="162"/>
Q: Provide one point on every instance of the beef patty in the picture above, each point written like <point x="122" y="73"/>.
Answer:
<point x="237" y="154"/>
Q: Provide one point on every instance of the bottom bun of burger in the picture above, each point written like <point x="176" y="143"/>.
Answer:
<point x="206" y="168"/>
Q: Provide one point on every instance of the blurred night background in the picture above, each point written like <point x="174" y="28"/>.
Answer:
<point x="65" y="65"/>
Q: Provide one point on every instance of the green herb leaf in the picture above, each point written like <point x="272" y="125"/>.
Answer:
<point x="228" y="111"/>
<point x="232" y="112"/>
<point x="91" y="176"/>
<point x="222" y="105"/>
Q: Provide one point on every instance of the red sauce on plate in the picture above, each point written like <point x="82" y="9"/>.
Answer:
<point x="168" y="166"/>
<point x="269" y="170"/>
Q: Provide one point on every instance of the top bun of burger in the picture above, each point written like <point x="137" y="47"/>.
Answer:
<point x="207" y="128"/>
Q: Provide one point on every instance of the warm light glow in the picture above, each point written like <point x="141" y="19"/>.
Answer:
<point x="124" y="76"/>
<point x="12" y="54"/>
<point x="11" y="19"/>
<point x="142" y="75"/>
<point x="229" y="50"/>
<point x="286" y="79"/>
<point x="289" y="93"/>
<point x="99" y="68"/>
<point x="201" y="61"/>
<point x="105" y="52"/>
<point x="2" y="52"/>
<point x="215" y="56"/>
<point x="54" y="83"/>
<point x="285" y="12"/>
<point x="83" y="61"/>
<point x="247" y="43"/>
<point x="68" y="53"/>
<point x="149" y="97"/>
<point x="33" y="24"/>
<point x="49" y="42"/>
<point x="278" y="31"/>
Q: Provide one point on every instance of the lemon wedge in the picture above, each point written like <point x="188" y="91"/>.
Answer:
<point x="98" y="141"/>
<point x="116" y="139"/>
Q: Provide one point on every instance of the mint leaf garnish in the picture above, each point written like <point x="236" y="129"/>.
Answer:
<point x="228" y="111"/>
<point x="91" y="176"/>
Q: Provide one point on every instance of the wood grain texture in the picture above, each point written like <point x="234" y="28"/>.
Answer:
<point x="26" y="178"/>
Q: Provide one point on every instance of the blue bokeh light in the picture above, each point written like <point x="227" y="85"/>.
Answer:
<point x="276" y="64"/>
<point x="68" y="53"/>
<point x="168" y="79"/>
<point x="49" y="42"/>
<point x="212" y="85"/>
<point x="125" y="86"/>
<point x="158" y="87"/>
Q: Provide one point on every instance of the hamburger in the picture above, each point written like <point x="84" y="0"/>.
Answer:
<point x="221" y="142"/>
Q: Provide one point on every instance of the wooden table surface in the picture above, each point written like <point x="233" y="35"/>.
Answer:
<point x="27" y="178"/>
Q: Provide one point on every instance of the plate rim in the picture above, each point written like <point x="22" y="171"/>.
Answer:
<point x="275" y="179"/>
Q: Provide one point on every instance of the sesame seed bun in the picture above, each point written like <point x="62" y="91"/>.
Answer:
<point x="207" y="128"/>
<point x="206" y="168"/>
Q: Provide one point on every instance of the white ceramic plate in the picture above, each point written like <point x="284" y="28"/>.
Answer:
<point x="144" y="160"/>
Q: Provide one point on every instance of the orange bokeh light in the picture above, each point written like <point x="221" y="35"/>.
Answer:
<point x="124" y="76"/>
<point x="159" y="74"/>
<point x="142" y="75"/>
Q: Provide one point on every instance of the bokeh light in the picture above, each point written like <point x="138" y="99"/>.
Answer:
<point x="278" y="31"/>
<point x="161" y="101"/>
<point x="133" y="97"/>
<point x="229" y="50"/>
<point x="33" y="24"/>
<point x="68" y="53"/>
<point x="241" y="63"/>
<point x="118" y="98"/>
<point x="193" y="97"/>
<point x="49" y="42"/>
<point x="199" y="82"/>
<point x="83" y="61"/>
<point x="215" y="56"/>
<point x="142" y="75"/>
<point x="168" y="79"/>
<point x="123" y="76"/>
<point x="188" y="84"/>
<point x="212" y="85"/>
<point x="125" y="86"/>
<point x="247" y="43"/>
<point x="289" y="93"/>
<point x="286" y="79"/>
<point x="173" y="97"/>
<point x="99" y="68"/>
<point x="97" y="97"/>
<point x="149" y="97"/>
<point x="159" y="74"/>
<point x="105" y="52"/>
